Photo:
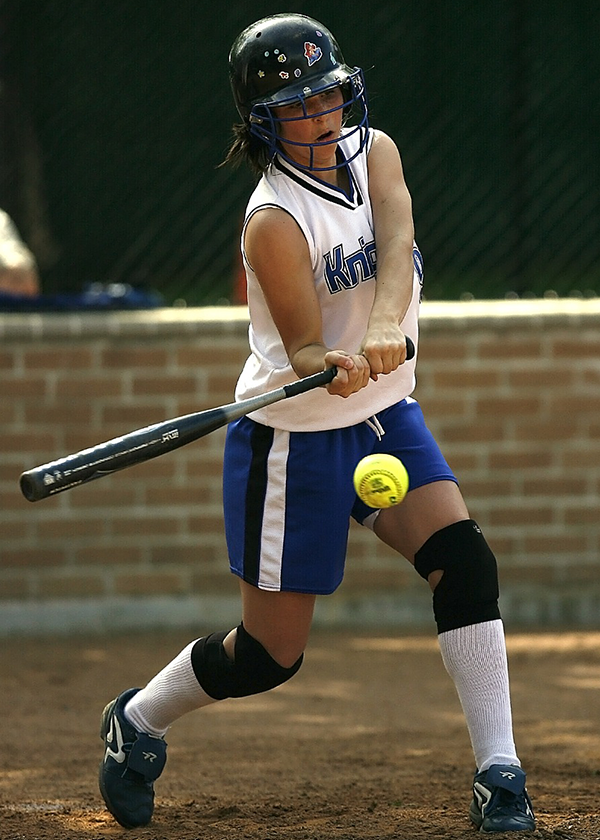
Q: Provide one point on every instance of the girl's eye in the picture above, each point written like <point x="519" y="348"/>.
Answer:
<point x="293" y="108"/>
<point x="330" y="95"/>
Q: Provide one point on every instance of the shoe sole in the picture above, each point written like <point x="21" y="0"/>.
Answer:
<point x="477" y="821"/>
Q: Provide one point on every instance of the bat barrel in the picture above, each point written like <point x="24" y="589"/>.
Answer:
<point x="117" y="454"/>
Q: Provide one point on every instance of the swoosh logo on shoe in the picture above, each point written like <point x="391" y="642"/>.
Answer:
<point x="115" y="734"/>
<point x="483" y="796"/>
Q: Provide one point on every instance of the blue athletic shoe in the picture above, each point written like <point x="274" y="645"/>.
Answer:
<point x="132" y="762"/>
<point x="500" y="800"/>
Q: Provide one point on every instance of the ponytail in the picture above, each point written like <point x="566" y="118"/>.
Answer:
<point x="246" y="148"/>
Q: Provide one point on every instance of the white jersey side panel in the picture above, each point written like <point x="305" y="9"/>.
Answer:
<point x="339" y="232"/>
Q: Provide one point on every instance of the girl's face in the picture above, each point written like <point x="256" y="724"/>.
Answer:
<point x="315" y="127"/>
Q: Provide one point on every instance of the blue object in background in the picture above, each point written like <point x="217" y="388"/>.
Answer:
<point x="96" y="296"/>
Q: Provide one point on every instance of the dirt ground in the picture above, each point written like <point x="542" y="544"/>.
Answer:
<point x="367" y="741"/>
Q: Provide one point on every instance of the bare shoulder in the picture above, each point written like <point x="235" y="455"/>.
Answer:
<point x="387" y="185"/>
<point x="271" y="224"/>
<point x="381" y="139"/>
<point x="272" y="230"/>
<point x="273" y="238"/>
<point x="383" y="150"/>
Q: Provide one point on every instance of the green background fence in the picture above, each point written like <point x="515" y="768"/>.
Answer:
<point x="115" y="117"/>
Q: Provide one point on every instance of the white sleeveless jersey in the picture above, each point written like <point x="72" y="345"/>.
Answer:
<point x="339" y="232"/>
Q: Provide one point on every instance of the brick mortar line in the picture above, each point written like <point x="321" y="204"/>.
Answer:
<point x="233" y="320"/>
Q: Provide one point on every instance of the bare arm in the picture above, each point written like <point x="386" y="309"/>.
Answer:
<point x="279" y="255"/>
<point x="384" y="344"/>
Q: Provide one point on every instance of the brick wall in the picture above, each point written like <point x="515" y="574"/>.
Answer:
<point x="510" y="389"/>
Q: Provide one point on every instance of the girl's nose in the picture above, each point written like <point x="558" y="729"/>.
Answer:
<point x="313" y="108"/>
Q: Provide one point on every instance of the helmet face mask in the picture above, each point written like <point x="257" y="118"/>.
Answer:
<point x="286" y="59"/>
<point x="267" y="126"/>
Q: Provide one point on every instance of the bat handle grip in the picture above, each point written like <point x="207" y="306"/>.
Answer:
<point x="325" y="376"/>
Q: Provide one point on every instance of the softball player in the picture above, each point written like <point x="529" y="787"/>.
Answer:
<point x="334" y="279"/>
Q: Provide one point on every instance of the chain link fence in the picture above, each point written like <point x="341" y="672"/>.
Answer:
<point x="116" y="116"/>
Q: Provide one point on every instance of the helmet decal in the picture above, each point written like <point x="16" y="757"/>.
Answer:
<point x="312" y="53"/>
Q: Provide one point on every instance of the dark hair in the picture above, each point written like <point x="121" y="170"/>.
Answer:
<point x="246" y="148"/>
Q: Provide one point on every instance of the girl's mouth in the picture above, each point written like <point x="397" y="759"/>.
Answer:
<point x="325" y="137"/>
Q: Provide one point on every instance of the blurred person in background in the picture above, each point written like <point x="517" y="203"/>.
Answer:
<point x="18" y="267"/>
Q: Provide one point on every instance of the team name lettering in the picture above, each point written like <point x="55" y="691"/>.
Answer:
<point x="418" y="264"/>
<point x="346" y="272"/>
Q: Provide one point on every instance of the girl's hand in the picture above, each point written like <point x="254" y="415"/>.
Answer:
<point x="384" y="347"/>
<point x="353" y="372"/>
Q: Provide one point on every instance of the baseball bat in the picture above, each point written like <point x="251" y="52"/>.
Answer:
<point x="152" y="441"/>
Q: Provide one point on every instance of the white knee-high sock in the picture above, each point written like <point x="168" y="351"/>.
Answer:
<point x="475" y="658"/>
<point x="173" y="692"/>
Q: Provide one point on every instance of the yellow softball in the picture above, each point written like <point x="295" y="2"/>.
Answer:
<point x="381" y="481"/>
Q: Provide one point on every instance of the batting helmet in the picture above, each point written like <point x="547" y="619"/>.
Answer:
<point x="288" y="58"/>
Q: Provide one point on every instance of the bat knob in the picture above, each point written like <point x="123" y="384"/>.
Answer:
<point x="29" y="489"/>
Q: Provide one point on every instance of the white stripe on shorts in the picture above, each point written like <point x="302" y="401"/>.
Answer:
<point x="273" y="526"/>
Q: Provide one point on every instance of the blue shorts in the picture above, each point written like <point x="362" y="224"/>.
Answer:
<point x="288" y="496"/>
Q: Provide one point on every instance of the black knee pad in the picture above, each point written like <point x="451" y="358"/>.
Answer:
<point x="468" y="591"/>
<point x="253" y="670"/>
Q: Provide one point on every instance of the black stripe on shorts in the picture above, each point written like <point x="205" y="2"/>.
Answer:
<point x="256" y="489"/>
